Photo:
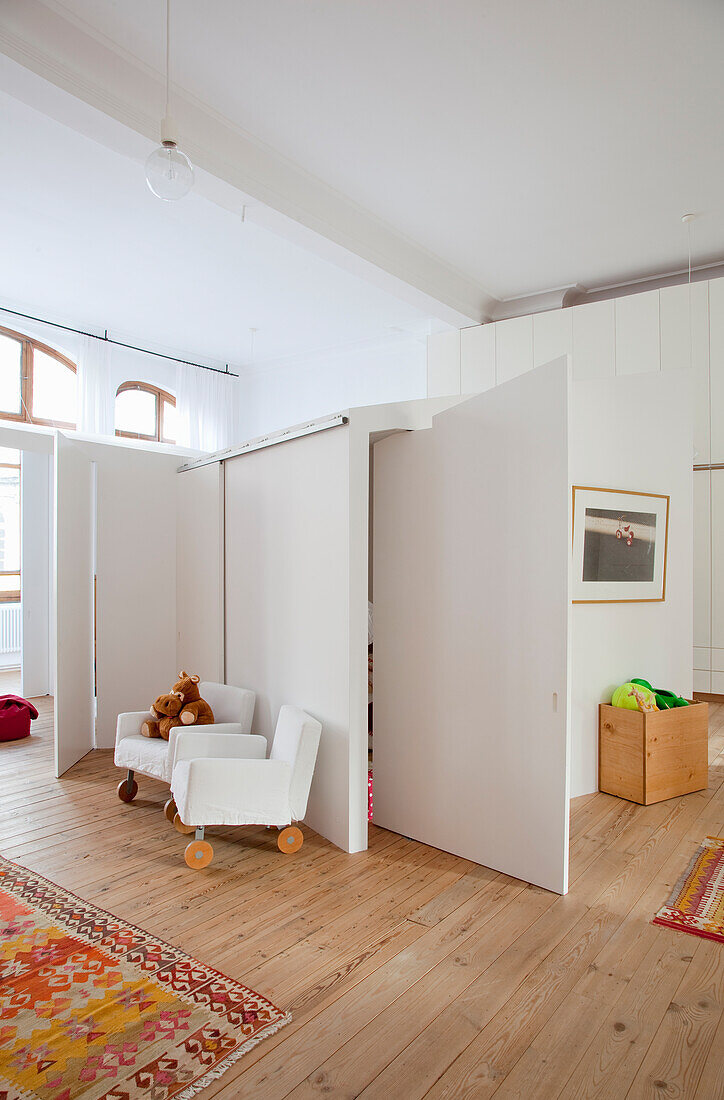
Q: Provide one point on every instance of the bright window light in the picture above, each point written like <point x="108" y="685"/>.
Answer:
<point x="136" y="412"/>
<point x="9" y="587"/>
<point x="10" y="358"/>
<point x="9" y="525"/>
<point x="169" y="422"/>
<point x="54" y="389"/>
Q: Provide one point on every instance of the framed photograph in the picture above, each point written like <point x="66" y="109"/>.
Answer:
<point x="620" y="541"/>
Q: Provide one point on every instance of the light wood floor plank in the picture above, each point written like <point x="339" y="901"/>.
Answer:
<point x="410" y="973"/>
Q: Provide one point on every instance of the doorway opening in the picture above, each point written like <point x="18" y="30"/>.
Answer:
<point x="26" y="510"/>
<point x="10" y="573"/>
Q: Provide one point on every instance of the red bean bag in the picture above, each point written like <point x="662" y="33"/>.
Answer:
<point x="16" y="715"/>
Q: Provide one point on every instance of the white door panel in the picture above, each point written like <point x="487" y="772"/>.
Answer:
<point x="73" y="570"/>
<point x="471" y="554"/>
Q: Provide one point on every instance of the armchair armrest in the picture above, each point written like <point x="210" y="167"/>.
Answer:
<point x="246" y="714"/>
<point x="189" y="743"/>
<point x="232" y="792"/>
<point x="130" y="723"/>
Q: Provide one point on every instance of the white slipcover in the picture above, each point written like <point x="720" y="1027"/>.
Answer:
<point x="233" y="709"/>
<point x="237" y="786"/>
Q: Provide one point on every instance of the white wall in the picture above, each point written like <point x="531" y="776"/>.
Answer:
<point x="653" y="332"/>
<point x="305" y="389"/>
<point x="632" y="432"/>
<point x="72" y="616"/>
<point x="296" y="548"/>
<point x="136" y="586"/>
<point x="36" y="510"/>
<point x="637" y="334"/>
<point x="471" y="630"/>
<point x="287" y="599"/>
<point x="200" y="571"/>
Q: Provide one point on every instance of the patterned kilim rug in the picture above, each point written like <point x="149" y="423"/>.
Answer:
<point x="696" y="904"/>
<point x="92" y="1008"/>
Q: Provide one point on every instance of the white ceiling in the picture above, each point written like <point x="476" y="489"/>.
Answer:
<point x="84" y="241"/>
<point x="528" y="144"/>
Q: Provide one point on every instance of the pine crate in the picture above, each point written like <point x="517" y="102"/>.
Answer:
<point x="648" y="756"/>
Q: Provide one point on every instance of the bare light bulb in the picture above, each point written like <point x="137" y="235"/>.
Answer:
<point x="169" y="173"/>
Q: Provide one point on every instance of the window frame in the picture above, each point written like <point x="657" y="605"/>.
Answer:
<point x="15" y="596"/>
<point x="27" y="380"/>
<point x="161" y="395"/>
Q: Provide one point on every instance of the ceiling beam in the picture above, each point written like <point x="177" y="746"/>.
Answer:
<point x="87" y="67"/>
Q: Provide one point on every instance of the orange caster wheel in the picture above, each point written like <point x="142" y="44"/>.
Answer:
<point x="169" y="810"/>
<point x="127" y="791"/>
<point x="290" y="839"/>
<point x="179" y="825"/>
<point x="198" y="854"/>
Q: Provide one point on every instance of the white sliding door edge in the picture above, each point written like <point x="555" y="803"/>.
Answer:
<point x="270" y="440"/>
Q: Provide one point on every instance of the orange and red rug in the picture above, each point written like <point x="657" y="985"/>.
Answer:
<point x="696" y="904"/>
<point x="92" y="1008"/>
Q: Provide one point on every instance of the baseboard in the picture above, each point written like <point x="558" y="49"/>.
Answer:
<point x="707" y="697"/>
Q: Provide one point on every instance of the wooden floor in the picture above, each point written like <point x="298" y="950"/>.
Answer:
<point x="410" y="972"/>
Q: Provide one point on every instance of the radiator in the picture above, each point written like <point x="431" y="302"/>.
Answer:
<point x="10" y="627"/>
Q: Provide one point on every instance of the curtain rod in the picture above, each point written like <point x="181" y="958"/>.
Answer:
<point x="119" y="343"/>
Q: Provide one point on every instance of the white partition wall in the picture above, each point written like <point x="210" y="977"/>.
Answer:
<point x="36" y="503"/>
<point x="471" y="549"/>
<point x="287" y="599"/>
<point x="634" y="433"/>
<point x="115" y="516"/>
<point x="199" y="571"/>
<point x="136" y="589"/>
<point x="73" y="618"/>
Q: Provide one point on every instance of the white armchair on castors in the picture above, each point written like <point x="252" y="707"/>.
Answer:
<point x="233" y="783"/>
<point x="233" y="709"/>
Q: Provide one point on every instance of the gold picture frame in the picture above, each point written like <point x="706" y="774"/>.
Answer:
<point x="601" y="571"/>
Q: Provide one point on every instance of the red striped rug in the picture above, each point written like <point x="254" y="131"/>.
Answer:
<point x="696" y="904"/>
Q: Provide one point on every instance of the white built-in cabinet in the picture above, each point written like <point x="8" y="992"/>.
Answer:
<point x="717" y="581"/>
<point x="702" y="581"/>
<point x="675" y="328"/>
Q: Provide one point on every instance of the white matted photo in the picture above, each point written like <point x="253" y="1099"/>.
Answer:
<point x="619" y="546"/>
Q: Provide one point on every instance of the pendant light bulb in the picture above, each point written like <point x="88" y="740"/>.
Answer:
<point x="169" y="173"/>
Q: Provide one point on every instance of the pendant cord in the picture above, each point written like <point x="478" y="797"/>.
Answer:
<point x="691" y="331"/>
<point x="168" y="38"/>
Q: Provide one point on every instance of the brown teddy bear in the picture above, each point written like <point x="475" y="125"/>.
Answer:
<point x="165" y="713"/>
<point x="195" y="710"/>
<point x="183" y="706"/>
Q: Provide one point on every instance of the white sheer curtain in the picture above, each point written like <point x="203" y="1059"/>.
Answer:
<point x="206" y="409"/>
<point x="96" y="397"/>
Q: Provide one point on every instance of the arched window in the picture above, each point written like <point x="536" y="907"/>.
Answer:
<point x="37" y="383"/>
<point x="144" y="411"/>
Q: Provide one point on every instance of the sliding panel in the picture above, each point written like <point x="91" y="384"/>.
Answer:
<point x="36" y="488"/>
<point x="136" y="592"/>
<point x="200" y="571"/>
<point x="471" y="608"/>
<point x="287" y="599"/>
<point x="73" y="585"/>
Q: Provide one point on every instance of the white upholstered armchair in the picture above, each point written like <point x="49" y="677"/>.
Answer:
<point x="233" y="709"/>
<point x="234" y="784"/>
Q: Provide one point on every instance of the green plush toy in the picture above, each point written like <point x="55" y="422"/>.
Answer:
<point x="665" y="700"/>
<point x="629" y="694"/>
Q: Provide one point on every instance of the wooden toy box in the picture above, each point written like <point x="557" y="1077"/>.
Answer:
<point x="649" y="756"/>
